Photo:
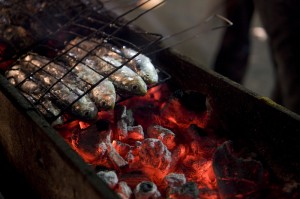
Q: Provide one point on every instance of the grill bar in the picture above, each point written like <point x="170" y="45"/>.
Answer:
<point x="65" y="27"/>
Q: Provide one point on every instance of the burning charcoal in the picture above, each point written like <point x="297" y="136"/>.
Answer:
<point x="110" y="177"/>
<point x="155" y="154"/>
<point x="123" y="119"/>
<point x="88" y="141"/>
<point x="135" y="132"/>
<point x="123" y="190"/>
<point x="175" y="179"/>
<point x="178" y="153"/>
<point x="133" y="178"/>
<point x="115" y="157"/>
<point x="187" y="191"/>
<point x="146" y="190"/>
<point x="194" y="133"/>
<point x="200" y="142"/>
<point x="121" y="148"/>
<point x="133" y="160"/>
<point x="121" y="124"/>
<point x="122" y="131"/>
<point x="121" y="112"/>
<point x="186" y="117"/>
<point x="163" y="134"/>
<point x="129" y="117"/>
<point x="236" y="176"/>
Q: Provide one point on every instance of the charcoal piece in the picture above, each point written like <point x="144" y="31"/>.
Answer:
<point x="121" y="130"/>
<point x="146" y="190"/>
<point x="133" y="178"/>
<point x="175" y="179"/>
<point x="135" y="132"/>
<point x="236" y="176"/>
<point x="123" y="190"/>
<point x="115" y="157"/>
<point x="153" y="153"/>
<point x="110" y="177"/>
<point x="89" y="141"/>
<point x="123" y="118"/>
<point x="163" y="134"/>
<point x="121" y="148"/>
<point x="188" y="190"/>
<point x="129" y="117"/>
<point x="120" y="112"/>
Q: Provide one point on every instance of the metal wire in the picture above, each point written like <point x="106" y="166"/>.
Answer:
<point x="85" y="23"/>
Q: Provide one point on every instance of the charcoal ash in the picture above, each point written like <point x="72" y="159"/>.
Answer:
<point x="163" y="134"/>
<point x="123" y="190"/>
<point x="110" y="177"/>
<point x="154" y="153"/>
<point x="146" y="190"/>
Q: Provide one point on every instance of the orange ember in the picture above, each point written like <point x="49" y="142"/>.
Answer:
<point x="153" y="137"/>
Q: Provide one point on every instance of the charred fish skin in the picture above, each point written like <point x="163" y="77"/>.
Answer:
<point x="63" y="93"/>
<point x="142" y="66"/>
<point x="30" y="90"/>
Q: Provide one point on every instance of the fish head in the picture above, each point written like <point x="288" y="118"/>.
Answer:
<point x="85" y="111"/>
<point x="137" y="86"/>
<point x="107" y="102"/>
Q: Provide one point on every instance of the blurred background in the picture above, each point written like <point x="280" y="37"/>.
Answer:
<point x="202" y="42"/>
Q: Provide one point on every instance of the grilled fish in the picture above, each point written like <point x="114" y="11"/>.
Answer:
<point x="63" y="91"/>
<point x="100" y="60"/>
<point x="32" y="92"/>
<point x="103" y="94"/>
<point x="142" y="65"/>
<point x="124" y="78"/>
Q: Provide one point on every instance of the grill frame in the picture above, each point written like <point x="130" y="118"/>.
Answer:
<point x="43" y="157"/>
<point x="266" y="137"/>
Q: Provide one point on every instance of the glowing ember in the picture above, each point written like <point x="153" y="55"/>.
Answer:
<point x="155" y="145"/>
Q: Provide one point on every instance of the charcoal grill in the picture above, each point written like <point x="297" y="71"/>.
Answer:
<point x="35" y="149"/>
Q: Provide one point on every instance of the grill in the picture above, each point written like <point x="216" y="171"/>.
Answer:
<point x="31" y="144"/>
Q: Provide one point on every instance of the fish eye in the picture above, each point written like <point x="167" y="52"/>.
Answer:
<point x="134" y="87"/>
<point x="103" y="104"/>
<point x="86" y="114"/>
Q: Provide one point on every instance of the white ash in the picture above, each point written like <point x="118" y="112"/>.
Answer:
<point x="102" y="149"/>
<point x="110" y="177"/>
<point x="123" y="190"/>
<point x="146" y="190"/>
<point x="155" y="154"/>
<point x="175" y="179"/>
